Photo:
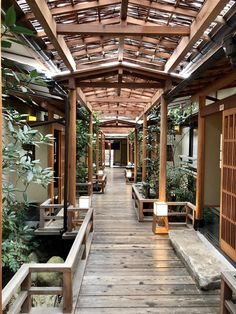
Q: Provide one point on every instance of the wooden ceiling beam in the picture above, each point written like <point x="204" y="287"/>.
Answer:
<point x="131" y="85"/>
<point x="45" y="18"/>
<point x="205" y="17"/>
<point x="121" y="30"/>
<point x="119" y="99"/>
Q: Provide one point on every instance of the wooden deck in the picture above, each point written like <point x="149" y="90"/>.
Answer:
<point x="131" y="271"/>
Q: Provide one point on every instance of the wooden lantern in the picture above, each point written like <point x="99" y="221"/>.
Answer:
<point x="160" y="218"/>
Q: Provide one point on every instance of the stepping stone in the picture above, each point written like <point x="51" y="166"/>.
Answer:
<point x="199" y="258"/>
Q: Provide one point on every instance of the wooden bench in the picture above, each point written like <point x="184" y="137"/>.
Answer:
<point x="100" y="183"/>
<point x="228" y="289"/>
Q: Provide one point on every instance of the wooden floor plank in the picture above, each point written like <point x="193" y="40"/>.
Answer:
<point x="120" y="310"/>
<point x="130" y="270"/>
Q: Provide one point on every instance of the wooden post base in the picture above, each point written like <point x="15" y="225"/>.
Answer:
<point x="156" y="229"/>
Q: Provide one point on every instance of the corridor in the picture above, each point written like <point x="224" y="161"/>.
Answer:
<point x="131" y="271"/>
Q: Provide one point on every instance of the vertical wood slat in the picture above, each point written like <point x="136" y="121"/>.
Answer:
<point x="228" y="185"/>
<point x="163" y="151"/>
<point x="200" y="161"/>
<point x="144" y="148"/>
<point x="225" y="294"/>
<point x="25" y="286"/>
<point x="72" y="149"/>
<point x="67" y="292"/>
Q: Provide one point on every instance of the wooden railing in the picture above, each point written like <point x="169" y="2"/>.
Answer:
<point x="188" y="213"/>
<point x="22" y="279"/>
<point x="84" y="188"/>
<point x="228" y="292"/>
<point x="49" y="212"/>
<point x="144" y="207"/>
<point x="100" y="182"/>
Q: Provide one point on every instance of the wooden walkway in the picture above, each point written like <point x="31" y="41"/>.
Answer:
<point x="131" y="271"/>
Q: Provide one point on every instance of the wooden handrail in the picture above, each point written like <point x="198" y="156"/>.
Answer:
<point x="228" y="289"/>
<point x="24" y="274"/>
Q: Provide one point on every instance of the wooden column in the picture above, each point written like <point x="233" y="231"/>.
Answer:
<point x="103" y="150"/>
<point x="51" y="155"/>
<point x="144" y="153"/>
<point x="72" y="150"/>
<point x="135" y="154"/>
<point x="127" y="150"/>
<point x="138" y="151"/>
<point x="163" y="151"/>
<point x="200" y="164"/>
<point x="97" y="151"/>
<point x="90" y="152"/>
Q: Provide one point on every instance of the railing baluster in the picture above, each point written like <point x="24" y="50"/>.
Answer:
<point x="25" y="286"/>
<point x="67" y="292"/>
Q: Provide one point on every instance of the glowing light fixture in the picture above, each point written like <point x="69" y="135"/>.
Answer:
<point x="85" y="202"/>
<point x="128" y="174"/>
<point x="160" y="209"/>
<point x="32" y="118"/>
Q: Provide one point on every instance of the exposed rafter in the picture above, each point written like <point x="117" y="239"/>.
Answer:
<point x="208" y="13"/>
<point x="44" y="16"/>
<point x="119" y="99"/>
<point x="120" y="30"/>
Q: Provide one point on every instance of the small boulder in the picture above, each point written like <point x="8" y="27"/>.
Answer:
<point x="51" y="278"/>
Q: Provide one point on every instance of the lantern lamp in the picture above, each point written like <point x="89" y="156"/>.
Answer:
<point x="85" y="202"/>
<point x="160" y="218"/>
<point x="128" y="174"/>
<point x="160" y="209"/>
<point x="100" y="173"/>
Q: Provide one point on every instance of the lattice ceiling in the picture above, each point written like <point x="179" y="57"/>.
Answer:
<point x="159" y="35"/>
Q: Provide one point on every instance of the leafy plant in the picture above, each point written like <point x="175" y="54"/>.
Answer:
<point x="82" y="140"/>
<point x="9" y="26"/>
<point x="19" y="169"/>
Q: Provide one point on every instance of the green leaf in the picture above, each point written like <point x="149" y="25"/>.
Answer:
<point x="34" y="74"/>
<point x="22" y="30"/>
<point x="10" y="18"/>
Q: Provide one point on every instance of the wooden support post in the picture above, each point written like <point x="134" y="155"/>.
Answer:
<point x="97" y="151"/>
<point x="103" y="150"/>
<point x="131" y="152"/>
<point x="200" y="165"/>
<point x="138" y="152"/>
<point x="72" y="149"/>
<point x="135" y="155"/>
<point x="225" y="294"/>
<point x="127" y="150"/>
<point x="67" y="292"/>
<point x="163" y="151"/>
<point x="90" y="152"/>
<point x="51" y="156"/>
<point x="144" y="152"/>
